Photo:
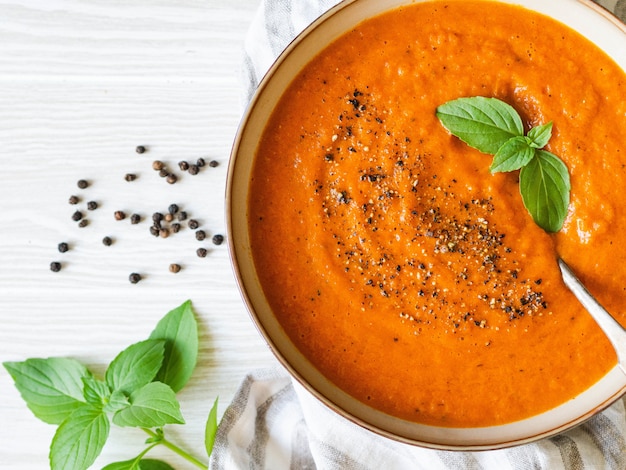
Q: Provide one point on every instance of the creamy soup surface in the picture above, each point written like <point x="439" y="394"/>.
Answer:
<point x="404" y="270"/>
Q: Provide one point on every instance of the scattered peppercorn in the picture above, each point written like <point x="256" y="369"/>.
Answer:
<point x="183" y="165"/>
<point x="157" y="217"/>
<point x="119" y="215"/>
<point x="218" y="239"/>
<point x="134" y="278"/>
<point x="92" y="205"/>
<point x="175" y="268"/>
<point x="200" y="163"/>
<point x="76" y="216"/>
<point x="200" y="235"/>
<point x="82" y="184"/>
<point x="164" y="233"/>
<point x="130" y="177"/>
<point x="182" y="215"/>
<point x="63" y="247"/>
<point x="163" y="173"/>
<point x="74" y="200"/>
<point x="175" y="227"/>
<point x="171" y="178"/>
<point x="213" y="163"/>
<point x="168" y="217"/>
<point x="140" y="149"/>
<point x="158" y="165"/>
<point x="83" y="223"/>
<point x="135" y="219"/>
<point x="193" y="224"/>
<point x="194" y="169"/>
<point x="107" y="241"/>
<point x="55" y="266"/>
<point x="172" y="209"/>
<point x="202" y="252"/>
<point x="154" y="230"/>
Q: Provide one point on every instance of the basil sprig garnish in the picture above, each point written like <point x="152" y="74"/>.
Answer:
<point x="494" y="127"/>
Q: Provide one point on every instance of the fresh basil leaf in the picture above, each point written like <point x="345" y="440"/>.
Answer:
<point x="52" y="388"/>
<point x="96" y="392"/>
<point x="132" y="464"/>
<point x="136" y="366"/>
<point x="79" y="439"/>
<point x="180" y="331"/>
<point x="512" y="155"/>
<point x="210" y="430"/>
<point x="545" y="189"/>
<point x="483" y="123"/>
<point x="540" y="135"/>
<point x="150" y="464"/>
<point x="117" y="401"/>
<point x="153" y="405"/>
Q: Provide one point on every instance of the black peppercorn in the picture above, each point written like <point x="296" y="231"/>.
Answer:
<point x="55" y="266"/>
<point x="119" y="215"/>
<point x="194" y="169"/>
<point x="172" y="209"/>
<point x="134" y="278"/>
<point x="158" y="165"/>
<point x="200" y="163"/>
<point x="193" y="224"/>
<point x="200" y="235"/>
<point x="135" y="219"/>
<point x="76" y="216"/>
<point x="83" y="223"/>
<point x="175" y="227"/>
<point x="74" y="200"/>
<point x="213" y="163"/>
<point x="163" y="173"/>
<point x="107" y="241"/>
<point x="92" y="205"/>
<point x="140" y="149"/>
<point x="218" y="239"/>
<point x="154" y="230"/>
<point x="171" y="178"/>
<point x="157" y="217"/>
<point x="182" y="215"/>
<point x="63" y="247"/>
<point x="175" y="268"/>
<point x="183" y="165"/>
<point x="130" y="177"/>
<point x="82" y="184"/>
<point x="202" y="252"/>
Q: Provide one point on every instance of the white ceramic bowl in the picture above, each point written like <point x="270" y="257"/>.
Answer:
<point x="584" y="16"/>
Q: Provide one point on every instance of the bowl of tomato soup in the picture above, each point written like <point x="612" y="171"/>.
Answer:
<point x="398" y="279"/>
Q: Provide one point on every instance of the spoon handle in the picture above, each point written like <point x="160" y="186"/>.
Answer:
<point x="612" y="329"/>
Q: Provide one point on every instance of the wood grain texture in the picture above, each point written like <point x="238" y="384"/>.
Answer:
<point x="82" y="83"/>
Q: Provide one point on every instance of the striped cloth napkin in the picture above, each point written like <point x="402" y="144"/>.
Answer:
<point x="274" y="424"/>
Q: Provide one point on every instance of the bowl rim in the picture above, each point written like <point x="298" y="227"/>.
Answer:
<point x="237" y="252"/>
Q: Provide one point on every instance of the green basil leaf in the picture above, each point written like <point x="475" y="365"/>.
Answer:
<point x="150" y="464"/>
<point x="540" y="135"/>
<point x="52" y="388"/>
<point x="136" y="366"/>
<point x="153" y="405"/>
<point x="79" y="439"/>
<point x="512" y="155"/>
<point x="545" y="189"/>
<point x="483" y="123"/>
<point x="117" y="401"/>
<point x="132" y="464"/>
<point x="180" y="331"/>
<point x="96" y="392"/>
<point x="210" y="429"/>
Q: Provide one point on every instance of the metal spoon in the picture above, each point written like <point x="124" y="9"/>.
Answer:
<point x="612" y="329"/>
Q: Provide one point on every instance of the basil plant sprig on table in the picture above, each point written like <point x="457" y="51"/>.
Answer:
<point x="138" y="390"/>
<point x="494" y="127"/>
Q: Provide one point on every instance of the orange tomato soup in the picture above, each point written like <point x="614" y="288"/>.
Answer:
<point x="407" y="273"/>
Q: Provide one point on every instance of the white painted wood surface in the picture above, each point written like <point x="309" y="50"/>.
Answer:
<point x="82" y="83"/>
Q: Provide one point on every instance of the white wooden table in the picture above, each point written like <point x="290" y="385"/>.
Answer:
<point x="82" y="83"/>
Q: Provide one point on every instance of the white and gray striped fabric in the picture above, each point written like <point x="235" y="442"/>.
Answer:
<point x="274" y="424"/>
